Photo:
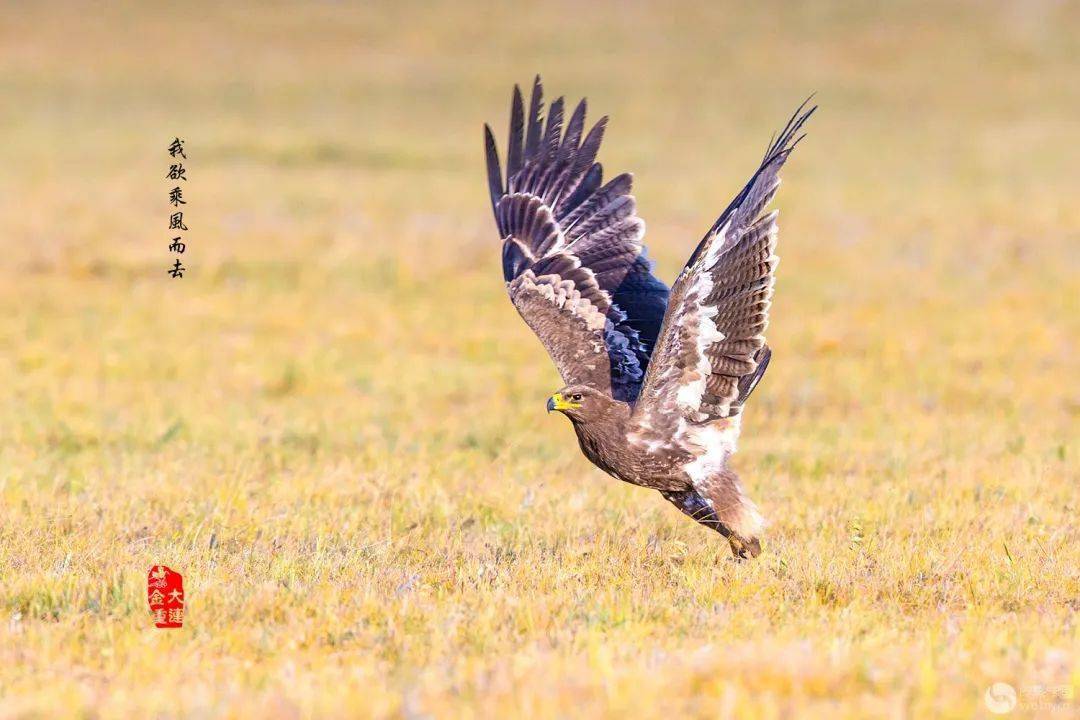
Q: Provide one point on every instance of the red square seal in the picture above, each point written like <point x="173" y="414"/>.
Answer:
<point x="165" y="594"/>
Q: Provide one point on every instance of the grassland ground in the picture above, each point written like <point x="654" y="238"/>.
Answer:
<point x="333" y="425"/>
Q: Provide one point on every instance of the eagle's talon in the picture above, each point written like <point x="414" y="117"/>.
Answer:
<point x="744" y="549"/>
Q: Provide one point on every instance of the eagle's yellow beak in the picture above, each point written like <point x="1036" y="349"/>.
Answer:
<point x="558" y="402"/>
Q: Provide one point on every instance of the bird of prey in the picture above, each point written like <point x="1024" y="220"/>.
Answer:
<point x="656" y="379"/>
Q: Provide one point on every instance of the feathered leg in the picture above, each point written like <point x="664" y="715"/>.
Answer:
<point x="722" y="506"/>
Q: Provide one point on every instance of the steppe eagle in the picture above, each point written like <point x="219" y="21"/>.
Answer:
<point x="655" y="378"/>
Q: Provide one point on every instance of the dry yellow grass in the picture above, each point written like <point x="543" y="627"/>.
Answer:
<point x="334" y="426"/>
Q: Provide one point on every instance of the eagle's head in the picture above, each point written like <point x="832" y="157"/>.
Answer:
<point x="580" y="403"/>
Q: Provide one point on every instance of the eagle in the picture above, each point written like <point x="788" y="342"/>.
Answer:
<point x="655" y="377"/>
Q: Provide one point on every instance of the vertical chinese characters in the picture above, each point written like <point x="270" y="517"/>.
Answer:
<point x="178" y="174"/>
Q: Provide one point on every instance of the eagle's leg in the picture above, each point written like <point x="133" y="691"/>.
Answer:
<point x="731" y="514"/>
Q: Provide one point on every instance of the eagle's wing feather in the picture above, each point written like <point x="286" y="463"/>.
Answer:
<point x="573" y="260"/>
<point x="712" y="352"/>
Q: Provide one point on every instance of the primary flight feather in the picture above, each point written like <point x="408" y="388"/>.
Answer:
<point x="655" y="378"/>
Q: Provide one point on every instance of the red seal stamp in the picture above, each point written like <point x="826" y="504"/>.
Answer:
<point x="165" y="594"/>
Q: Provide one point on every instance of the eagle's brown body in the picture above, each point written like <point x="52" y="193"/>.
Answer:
<point x="617" y="440"/>
<point x="656" y="378"/>
<point x="607" y="442"/>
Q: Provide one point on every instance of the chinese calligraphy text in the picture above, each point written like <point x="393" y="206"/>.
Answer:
<point x="178" y="174"/>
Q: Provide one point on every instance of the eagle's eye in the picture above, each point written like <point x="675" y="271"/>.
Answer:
<point x="576" y="397"/>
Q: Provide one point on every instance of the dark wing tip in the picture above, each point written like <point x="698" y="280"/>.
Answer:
<point x="780" y="147"/>
<point x="494" y="171"/>
<point x="783" y="144"/>
<point x="517" y="101"/>
<point x="516" y="136"/>
<point x="533" y="121"/>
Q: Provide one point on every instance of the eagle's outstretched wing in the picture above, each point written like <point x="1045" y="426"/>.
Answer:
<point x="573" y="260"/>
<point x="711" y="351"/>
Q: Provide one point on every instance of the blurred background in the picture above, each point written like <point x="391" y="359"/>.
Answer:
<point x="338" y="395"/>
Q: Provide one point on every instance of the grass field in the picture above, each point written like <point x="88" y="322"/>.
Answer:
<point x="334" y="424"/>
